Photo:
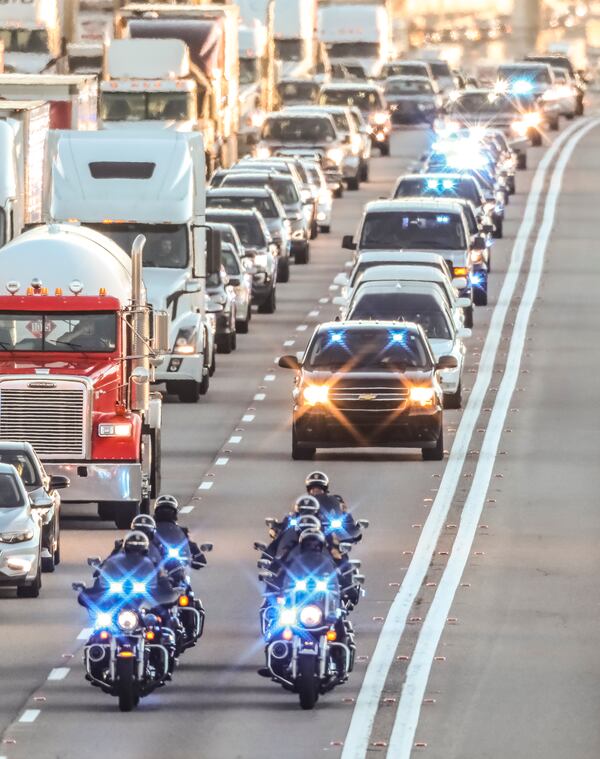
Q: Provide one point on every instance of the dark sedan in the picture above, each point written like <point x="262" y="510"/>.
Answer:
<point x="412" y="99"/>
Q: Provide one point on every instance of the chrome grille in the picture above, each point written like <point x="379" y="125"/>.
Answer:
<point x="370" y="399"/>
<point x="53" y="418"/>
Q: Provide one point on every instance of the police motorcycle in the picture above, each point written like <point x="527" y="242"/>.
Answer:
<point x="309" y="648"/>
<point x="132" y="648"/>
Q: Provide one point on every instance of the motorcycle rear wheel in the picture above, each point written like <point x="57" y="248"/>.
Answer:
<point x="307" y="683"/>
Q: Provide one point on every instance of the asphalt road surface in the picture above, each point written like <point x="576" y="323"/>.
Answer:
<point x="481" y="570"/>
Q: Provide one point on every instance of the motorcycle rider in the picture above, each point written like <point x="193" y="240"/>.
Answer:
<point x="173" y="539"/>
<point x="146" y="524"/>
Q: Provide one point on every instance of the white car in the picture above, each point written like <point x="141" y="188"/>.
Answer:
<point x="325" y="196"/>
<point x="567" y="92"/>
<point x="240" y="278"/>
<point x="424" y="304"/>
<point x="371" y="258"/>
<point x="398" y="274"/>
<point x="20" y="534"/>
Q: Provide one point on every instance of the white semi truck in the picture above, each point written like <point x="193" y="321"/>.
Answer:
<point x="295" y="28"/>
<point x="148" y="85"/>
<point x="23" y="134"/>
<point x="126" y="183"/>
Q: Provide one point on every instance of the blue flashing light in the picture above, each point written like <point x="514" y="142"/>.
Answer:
<point x="336" y="524"/>
<point x="432" y="184"/>
<point x="448" y="184"/>
<point x="293" y="522"/>
<point x="139" y="587"/>
<point x="442" y="219"/>
<point x="300" y="584"/>
<point x="321" y="585"/>
<point x="521" y="87"/>
<point x="116" y="587"/>
<point x="174" y="553"/>
<point x="103" y="619"/>
<point x="336" y="337"/>
<point x="398" y="337"/>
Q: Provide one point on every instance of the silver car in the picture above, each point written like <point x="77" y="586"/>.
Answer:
<point x="239" y="272"/>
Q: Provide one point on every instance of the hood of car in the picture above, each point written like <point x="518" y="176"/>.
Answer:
<point x="15" y="520"/>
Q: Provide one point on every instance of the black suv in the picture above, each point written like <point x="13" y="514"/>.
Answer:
<point x="365" y="384"/>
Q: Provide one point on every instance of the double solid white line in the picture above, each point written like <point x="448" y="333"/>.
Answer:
<point x="357" y="738"/>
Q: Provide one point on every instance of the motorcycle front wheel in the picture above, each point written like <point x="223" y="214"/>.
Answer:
<point x="128" y="697"/>
<point x="307" y="683"/>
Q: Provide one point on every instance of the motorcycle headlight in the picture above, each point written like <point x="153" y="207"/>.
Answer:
<point x="16" y="537"/>
<point x="127" y="620"/>
<point x="311" y="616"/>
<point x="185" y="342"/>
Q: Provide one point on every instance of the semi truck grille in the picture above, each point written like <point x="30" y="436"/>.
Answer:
<point x="51" y="418"/>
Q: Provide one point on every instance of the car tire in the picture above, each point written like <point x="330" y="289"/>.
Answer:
<point x="338" y="192"/>
<point x="57" y="551"/>
<point x="213" y="364"/>
<point x="301" y="452"/>
<point x="224" y="344"/>
<point x="570" y="116"/>
<point x="498" y="229"/>
<point x="480" y="296"/>
<point x="205" y="381"/>
<point x="283" y="269"/>
<point x="522" y="161"/>
<point x="384" y="149"/>
<point x="325" y="229"/>
<point x="364" y="172"/>
<point x="243" y="326"/>
<point x="314" y="230"/>
<point x="511" y="185"/>
<point x="188" y="391"/>
<point x="580" y="108"/>
<point x="270" y="304"/>
<point x="233" y="340"/>
<point x="437" y="453"/>
<point x="302" y="255"/>
<point x="468" y="317"/>
<point x="32" y="589"/>
<point x="48" y="564"/>
<point x="454" y="400"/>
<point x="353" y="183"/>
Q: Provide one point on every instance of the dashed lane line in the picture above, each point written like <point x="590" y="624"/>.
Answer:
<point x="59" y="673"/>
<point x="30" y="715"/>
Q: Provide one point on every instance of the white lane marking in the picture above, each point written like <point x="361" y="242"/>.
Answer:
<point x="367" y="703"/>
<point x="206" y="485"/>
<point x="248" y="417"/>
<point x="85" y="633"/>
<point x="314" y="313"/>
<point x="260" y="397"/>
<point x="59" y="673"/>
<point x="302" y="328"/>
<point x="417" y="675"/>
<point x="186" y="510"/>
<point x="323" y="300"/>
<point x="235" y="439"/>
<point x="222" y="461"/>
<point x="289" y="343"/>
<point x="30" y="715"/>
<point x="269" y="378"/>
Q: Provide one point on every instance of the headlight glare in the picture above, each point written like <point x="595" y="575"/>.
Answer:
<point x="311" y="616"/>
<point x="314" y="394"/>
<point x="422" y="396"/>
<point x="127" y="620"/>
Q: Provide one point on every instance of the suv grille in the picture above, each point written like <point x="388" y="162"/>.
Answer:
<point x="370" y="399"/>
<point x="52" y="419"/>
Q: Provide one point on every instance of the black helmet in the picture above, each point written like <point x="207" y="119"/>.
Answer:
<point x="166" y="508"/>
<point x="136" y="542"/>
<point x="317" y="479"/>
<point x="306" y="504"/>
<point x="312" y="540"/>
<point x="146" y="524"/>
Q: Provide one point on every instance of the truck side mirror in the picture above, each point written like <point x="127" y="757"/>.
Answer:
<point x="213" y="251"/>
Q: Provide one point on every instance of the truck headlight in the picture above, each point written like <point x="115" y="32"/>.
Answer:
<point x="422" y="396"/>
<point x="120" y="429"/>
<point x="314" y="394"/>
<point x="185" y="342"/>
<point x="16" y="537"/>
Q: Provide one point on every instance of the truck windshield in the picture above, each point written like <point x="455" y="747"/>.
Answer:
<point x="289" y="50"/>
<point x="294" y="91"/>
<point x="249" y="70"/>
<point x="24" y="40"/>
<point x="86" y="332"/>
<point x="413" y="231"/>
<point x="166" y="244"/>
<point x="299" y="129"/>
<point x="367" y="349"/>
<point x="353" y="50"/>
<point x="147" y="106"/>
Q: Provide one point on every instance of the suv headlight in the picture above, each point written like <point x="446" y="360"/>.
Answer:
<point x="422" y="396"/>
<point x="314" y="394"/>
<point x="185" y="342"/>
<point x="16" y="537"/>
<point x="335" y="155"/>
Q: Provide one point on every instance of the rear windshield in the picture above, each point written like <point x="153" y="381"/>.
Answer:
<point x="24" y="466"/>
<point x="366" y="100"/>
<point x="440" y="68"/>
<point x="485" y="102"/>
<point x="367" y="349"/>
<point x="299" y="129"/>
<point x="248" y="228"/>
<point x="398" y="306"/>
<point x="10" y="495"/>
<point x="404" y="69"/>
<point x="291" y="91"/>
<point x="434" y="187"/>
<point x="283" y="187"/>
<point x="413" y="231"/>
<point x="263" y="205"/>
<point x="408" y="87"/>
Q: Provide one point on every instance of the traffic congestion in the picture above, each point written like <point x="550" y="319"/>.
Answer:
<point x="257" y="262"/>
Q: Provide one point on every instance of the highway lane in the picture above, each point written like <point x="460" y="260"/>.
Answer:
<point x="231" y="709"/>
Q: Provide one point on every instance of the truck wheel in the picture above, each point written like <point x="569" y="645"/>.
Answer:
<point x="243" y="327"/>
<point x="437" y="453"/>
<point x="188" y="391"/>
<point x="32" y="589"/>
<point x="124" y="514"/>
<point x="536" y="138"/>
<point x="223" y="344"/>
<point x="364" y="172"/>
<point x="283" y="270"/>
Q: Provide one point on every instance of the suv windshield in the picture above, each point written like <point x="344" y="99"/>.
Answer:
<point x="85" y="332"/>
<point x="10" y="495"/>
<point x="23" y="464"/>
<point x="484" y="102"/>
<point x="366" y="100"/>
<point x="404" y="69"/>
<point x="299" y="129"/>
<point x="146" y="106"/>
<point x="263" y="205"/>
<point x="413" y="230"/>
<point x="248" y="228"/>
<point x="166" y="244"/>
<point x="367" y="349"/>
<point x="409" y="307"/>
<point x="434" y="187"/>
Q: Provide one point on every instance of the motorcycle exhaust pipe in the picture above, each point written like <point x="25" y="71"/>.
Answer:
<point x="96" y="653"/>
<point x="279" y="650"/>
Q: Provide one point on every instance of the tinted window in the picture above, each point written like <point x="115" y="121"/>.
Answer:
<point x="299" y="129"/>
<point x="307" y="91"/>
<point x="283" y="187"/>
<point x="415" y="231"/>
<point x="374" y="349"/>
<point x="408" y="87"/>
<point x="122" y="169"/>
<point x="440" y="68"/>
<point x="404" y="69"/>
<point x="400" y="306"/>
<point x="10" y="495"/>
